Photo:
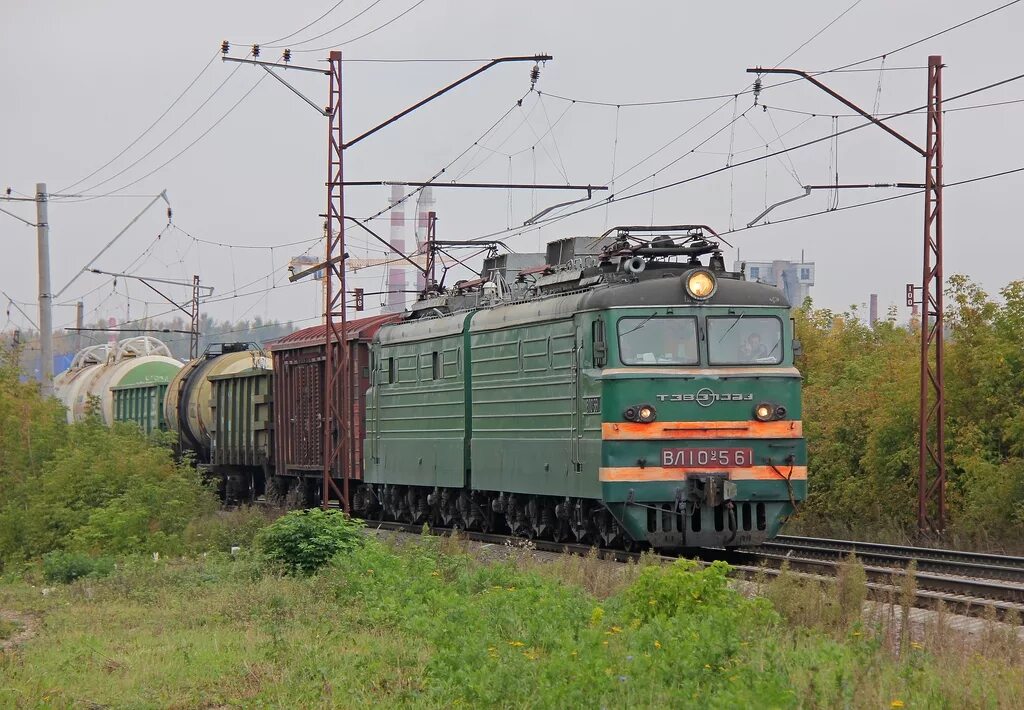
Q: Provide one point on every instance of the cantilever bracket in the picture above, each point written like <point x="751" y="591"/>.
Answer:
<point x="318" y="109"/>
<point x="807" y="191"/>
<point x="808" y="188"/>
<point x="590" y="194"/>
<point x="846" y="102"/>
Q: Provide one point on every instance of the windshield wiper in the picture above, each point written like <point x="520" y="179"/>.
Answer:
<point x="731" y="327"/>
<point x="646" y="320"/>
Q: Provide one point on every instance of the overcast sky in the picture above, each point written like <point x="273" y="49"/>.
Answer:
<point x="82" y="80"/>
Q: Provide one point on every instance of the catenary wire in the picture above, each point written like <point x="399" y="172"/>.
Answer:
<point x="168" y="136"/>
<point x="314" y="38"/>
<point x="867" y="203"/>
<point x="842" y="68"/>
<point x="615" y="198"/>
<point x="509" y="233"/>
<point x="182" y="151"/>
<point x="148" y="128"/>
<point x="332" y="8"/>
<point x="376" y="29"/>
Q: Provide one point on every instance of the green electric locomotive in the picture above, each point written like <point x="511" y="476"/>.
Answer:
<point x="620" y="392"/>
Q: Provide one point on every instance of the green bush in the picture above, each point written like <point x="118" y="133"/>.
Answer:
<point x="681" y="587"/>
<point x="107" y="490"/>
<point x="305" y="540"/>
<point x="65" y="567"/>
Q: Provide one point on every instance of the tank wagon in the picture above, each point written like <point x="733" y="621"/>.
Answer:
<point x="219" y="405"/>
<point x="127" y="378"/>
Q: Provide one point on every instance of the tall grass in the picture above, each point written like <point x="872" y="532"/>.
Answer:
<point x="434" y="622"/>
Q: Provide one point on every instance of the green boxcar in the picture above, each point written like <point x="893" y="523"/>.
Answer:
<point x="242" y="428"/>
<point x="141" y="403"/>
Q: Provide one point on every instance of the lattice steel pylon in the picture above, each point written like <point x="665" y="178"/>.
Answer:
<point x="193" y="335"/>
<point x="336" y="384"/>
<point x="931" y="471"/>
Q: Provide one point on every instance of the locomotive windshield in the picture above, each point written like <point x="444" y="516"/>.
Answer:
<point x="742" y="340"/>
<point x="658" y="340"/>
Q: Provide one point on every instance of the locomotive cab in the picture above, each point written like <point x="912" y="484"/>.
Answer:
<point x="701" y="441"/>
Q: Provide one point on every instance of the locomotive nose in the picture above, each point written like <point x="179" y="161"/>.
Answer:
<point x="720" y="465"/>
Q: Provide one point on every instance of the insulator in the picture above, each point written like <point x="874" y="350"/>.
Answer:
<point x="225" y="47"/>
<point x="255" y="50"/>
<point x="534" y="75"/>
<point x="169" y="214"/>
<point x="287" y="55"/>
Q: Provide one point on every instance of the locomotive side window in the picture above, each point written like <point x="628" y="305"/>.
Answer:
<point x="661" y="340"/>
<point x="744" y="340"/>
<point x="392" y="370"/>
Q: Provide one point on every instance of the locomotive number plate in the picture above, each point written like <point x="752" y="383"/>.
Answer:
<point x="708" y="457"/>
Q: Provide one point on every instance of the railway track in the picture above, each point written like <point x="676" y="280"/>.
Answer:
<point x="964" y="583"/>
<point x="988" y="565"/>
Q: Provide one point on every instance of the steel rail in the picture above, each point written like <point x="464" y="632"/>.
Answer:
<point x="897" y="560"/>
<point x="955" y="584"/>
<point x="909" y="552"/>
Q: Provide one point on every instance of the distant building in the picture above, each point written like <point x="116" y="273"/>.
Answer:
<point x="795" y="278"/>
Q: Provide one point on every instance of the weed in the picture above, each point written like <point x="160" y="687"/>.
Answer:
<point x="8" y="628"/>
<point x="852" y="591"/>
<point x="220" y="531"/>
<point x="303" y="541"/>
<point x="908" y="598"/>
<point x="65" y="567"/>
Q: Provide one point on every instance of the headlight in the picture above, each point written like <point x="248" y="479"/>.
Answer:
<point x="766" y="412"/>
<point x="701" y="284"/>
<point x="642" y="413"/>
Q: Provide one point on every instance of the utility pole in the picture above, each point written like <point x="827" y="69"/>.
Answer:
<point x="79" y="324"/>
<point x="45" y="294"/>
<point x="931" y="472"/>
<point x="193" y="340"/>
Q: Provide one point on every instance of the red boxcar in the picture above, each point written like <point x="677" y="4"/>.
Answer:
<point x="298" y="395"/>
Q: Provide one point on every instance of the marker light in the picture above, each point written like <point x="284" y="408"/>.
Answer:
<point x="764" y="412"/>
<point x="701" y="284"/>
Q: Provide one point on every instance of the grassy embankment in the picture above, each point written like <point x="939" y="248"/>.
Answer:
<point x="429" y="623"/>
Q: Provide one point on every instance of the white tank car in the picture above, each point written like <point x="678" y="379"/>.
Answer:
<point x="96" y="369"/>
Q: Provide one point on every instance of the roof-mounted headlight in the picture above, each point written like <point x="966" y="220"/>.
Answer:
<point x="701" y="284"/>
